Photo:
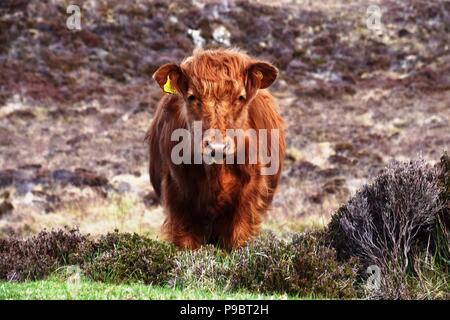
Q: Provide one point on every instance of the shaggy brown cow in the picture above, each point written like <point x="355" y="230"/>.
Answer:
<point x="215" y="202"/>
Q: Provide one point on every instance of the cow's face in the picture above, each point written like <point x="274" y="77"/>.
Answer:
<point x="217" y="87"/>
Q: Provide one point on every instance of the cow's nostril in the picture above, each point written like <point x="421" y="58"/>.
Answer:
<point x="213" y="153"/>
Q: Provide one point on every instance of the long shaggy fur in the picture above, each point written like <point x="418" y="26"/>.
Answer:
<point x="221" y="203"/>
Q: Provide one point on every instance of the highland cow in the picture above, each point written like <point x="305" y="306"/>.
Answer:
<point x="219" y="202"/>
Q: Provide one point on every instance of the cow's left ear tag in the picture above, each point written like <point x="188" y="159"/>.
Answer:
<point x="259" y="75"/>
<point x="168" y="87"/>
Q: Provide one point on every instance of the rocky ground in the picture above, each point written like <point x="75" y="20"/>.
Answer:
<point x="75" y="105"/>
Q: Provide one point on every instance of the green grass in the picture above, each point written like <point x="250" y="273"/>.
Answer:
<point x="59" y="289"/>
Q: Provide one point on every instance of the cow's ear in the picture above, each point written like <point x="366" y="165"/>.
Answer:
<point x="171" y="79"/>
<point x="261" y="75"/>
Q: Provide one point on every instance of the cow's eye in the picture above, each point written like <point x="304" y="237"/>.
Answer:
<point x="191" y="98"/>
<point x="241" y="98"/>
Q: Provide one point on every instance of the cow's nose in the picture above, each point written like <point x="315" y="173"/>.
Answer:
<point x="215" y="148"/>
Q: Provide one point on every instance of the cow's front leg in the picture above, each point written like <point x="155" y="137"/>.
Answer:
<point x="235" y="231"/>
<point x="246" y="226"/>
<point x="181" y="235"/>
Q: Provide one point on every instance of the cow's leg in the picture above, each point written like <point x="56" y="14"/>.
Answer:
<point x="246" y="220"/>
<point x="235" y="232"/>
<point x="181" y="235"/>
<point x="243" y="225"/>
<point x="246" y="226"/>
<point x="179" y="227"/>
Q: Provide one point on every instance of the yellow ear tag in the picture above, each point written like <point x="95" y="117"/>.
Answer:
<point x="168" y="87"/>
<point x="259" y="75"/>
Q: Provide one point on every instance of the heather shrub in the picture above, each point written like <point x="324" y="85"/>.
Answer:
<point x="40" y="255"/>
<point x="443" y="228"/>
<point x="387" y="222"/>
<point x="318" y="271"/>
<point x="243" y="268"/>
<point x="301" y="266"/>
<point x="123" y="257"/>
<point x="439" y="241"/>
<point x="444" y="177"/>
<point x="207" y="268"/>
<point x="439" y="263"/>
<point x="265" y="264"/>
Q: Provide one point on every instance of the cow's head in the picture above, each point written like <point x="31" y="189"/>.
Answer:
<point x="217" y="87"/>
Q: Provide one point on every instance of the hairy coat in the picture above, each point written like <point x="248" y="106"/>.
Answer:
<point x="214" y="203"/>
